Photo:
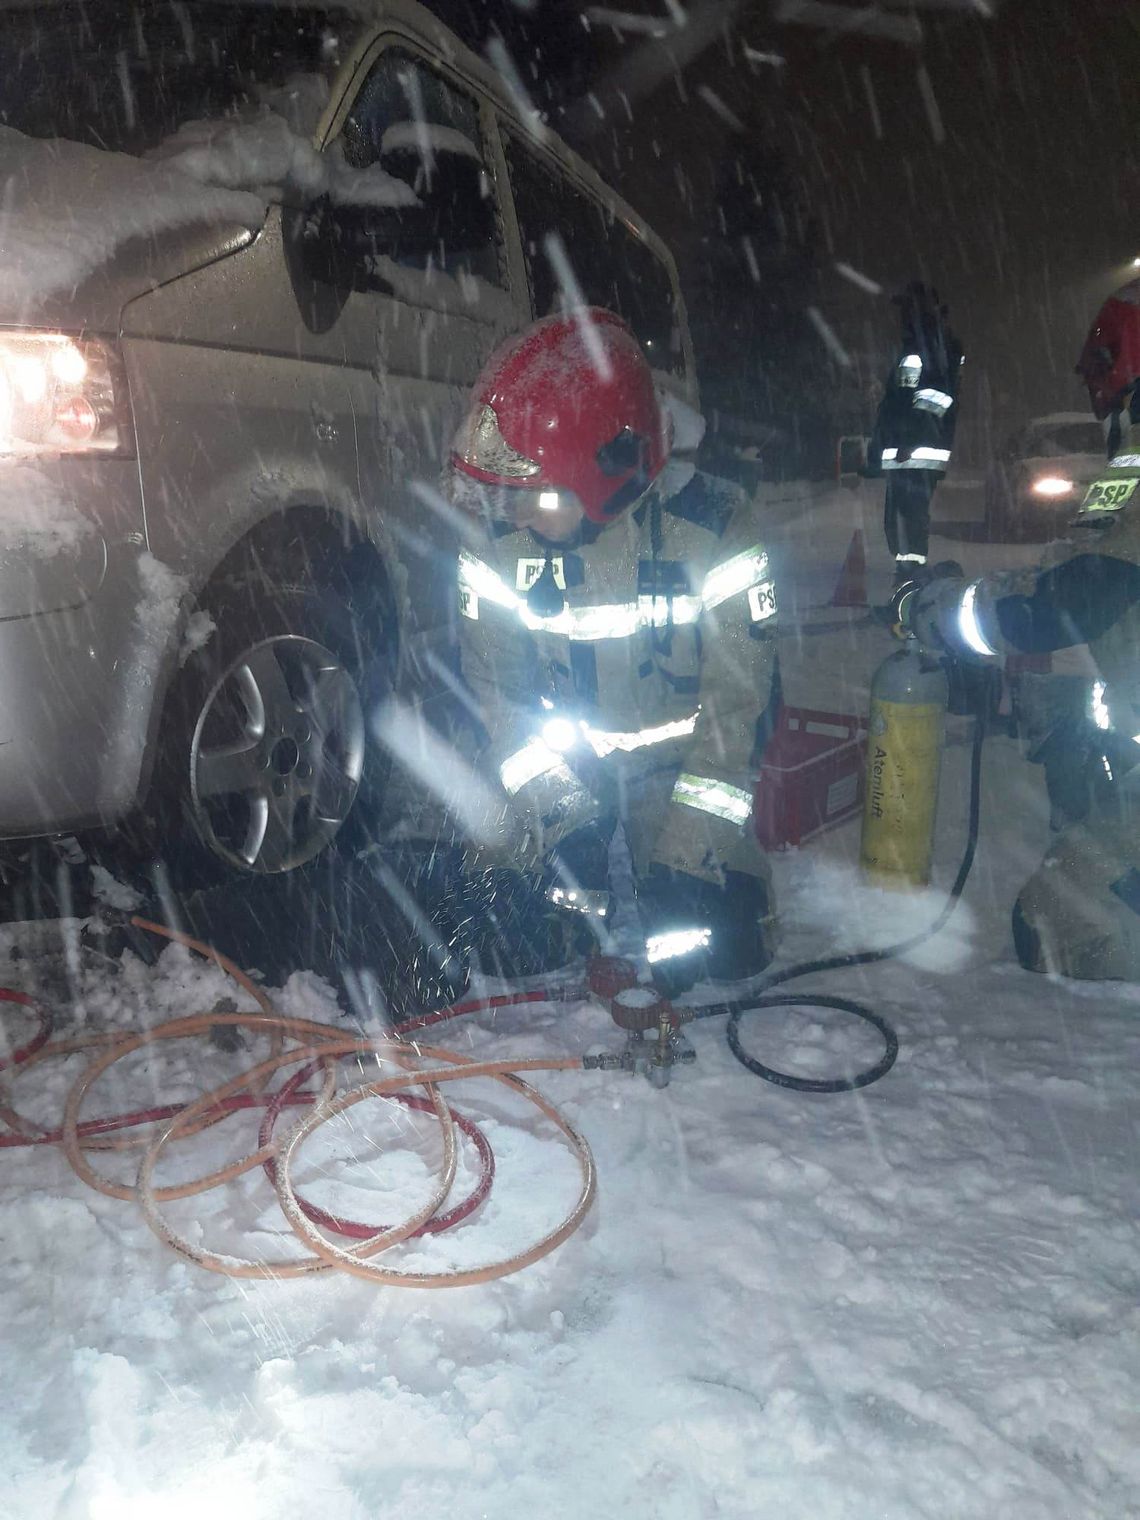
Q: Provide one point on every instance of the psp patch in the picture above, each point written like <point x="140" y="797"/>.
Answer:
<point x="1109" y="495"/>
<point x="529" y="570"/>
<point x="762" y="601"/>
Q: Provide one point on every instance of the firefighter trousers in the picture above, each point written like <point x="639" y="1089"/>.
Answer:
<point x="1079" y="914"/>
<point x="906" y="514"/>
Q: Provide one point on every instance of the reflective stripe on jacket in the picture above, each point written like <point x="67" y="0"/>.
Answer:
<point x="651" y="646"/>
<point x="918" y="415"/>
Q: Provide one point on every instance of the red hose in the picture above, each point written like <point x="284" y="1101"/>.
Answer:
<point x="43" y="1032"/>
<point x="290" y="1094"/>
<point x="474" y="1005"/>
<point x="287" y="1094"/>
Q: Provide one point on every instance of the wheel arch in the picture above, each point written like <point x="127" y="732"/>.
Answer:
<point x="339" y="555"/>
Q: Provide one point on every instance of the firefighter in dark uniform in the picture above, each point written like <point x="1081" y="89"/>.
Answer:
<point x="914" y="431"/>
<point x="617" y="618"/>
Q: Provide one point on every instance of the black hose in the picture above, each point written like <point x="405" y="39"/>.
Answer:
<point x="754" y="1002"/>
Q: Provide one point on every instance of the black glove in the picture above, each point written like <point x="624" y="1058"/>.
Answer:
<point x="697" y="930"/>
<point x="514" y="929"/>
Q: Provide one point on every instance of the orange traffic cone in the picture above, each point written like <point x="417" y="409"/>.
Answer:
<point x="851" y="587"/>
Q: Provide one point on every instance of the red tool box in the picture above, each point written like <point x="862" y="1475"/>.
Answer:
<point x="811" y="776"/>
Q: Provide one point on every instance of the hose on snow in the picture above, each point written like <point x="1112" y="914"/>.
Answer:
<point x="315" y="1049"/>
<point x="758" y="1001"/>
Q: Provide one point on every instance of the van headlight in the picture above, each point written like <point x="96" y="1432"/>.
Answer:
<point x="61" y="395"/>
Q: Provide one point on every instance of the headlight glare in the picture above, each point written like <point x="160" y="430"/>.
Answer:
<point x="1052" y="485"/>
<point x="61" y="395"/>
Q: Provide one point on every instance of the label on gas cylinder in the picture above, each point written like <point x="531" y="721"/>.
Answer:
<point x="904" y="754"/>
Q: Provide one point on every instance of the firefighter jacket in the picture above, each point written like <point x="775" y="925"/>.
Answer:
<point x="917" y="417"/>
<point x="1077" y="915"/>
<point x="643" y="657"/>
<point x="1086" y="592"/>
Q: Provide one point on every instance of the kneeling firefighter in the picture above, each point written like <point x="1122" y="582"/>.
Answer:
<point x="1079" y="915"/>
<point x="616" y="631"/>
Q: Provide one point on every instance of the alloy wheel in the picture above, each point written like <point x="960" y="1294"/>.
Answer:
<point x="277" y="755"/>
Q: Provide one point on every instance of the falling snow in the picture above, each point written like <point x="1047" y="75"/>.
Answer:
<point x="229" y="531"/>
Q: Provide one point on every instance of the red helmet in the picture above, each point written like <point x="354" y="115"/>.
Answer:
<point x="1110" y="359"/>
<point x="565" y="417"/>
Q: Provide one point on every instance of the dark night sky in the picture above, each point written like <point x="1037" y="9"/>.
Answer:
<point x="1023" y="213"/>
<point x="1016" y="198"/>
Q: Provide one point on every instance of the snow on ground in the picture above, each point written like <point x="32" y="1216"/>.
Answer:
<point x="917" y="1302"/>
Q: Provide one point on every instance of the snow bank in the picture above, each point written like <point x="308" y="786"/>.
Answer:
<point x="427" y="138"/>
<point x="915" y="1303"/>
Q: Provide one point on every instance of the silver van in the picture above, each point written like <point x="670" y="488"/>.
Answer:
<point x="251" y="255"/>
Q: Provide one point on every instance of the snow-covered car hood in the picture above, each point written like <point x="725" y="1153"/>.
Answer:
<point x="82" y="231"/>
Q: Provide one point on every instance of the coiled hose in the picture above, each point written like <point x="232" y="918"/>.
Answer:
<point x="317" y="1048"/>
<point x="756" y="1002"/>
<point x="314" y="1048"/>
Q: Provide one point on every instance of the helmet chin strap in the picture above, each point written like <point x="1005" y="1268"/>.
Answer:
<point x="545" y="597"/>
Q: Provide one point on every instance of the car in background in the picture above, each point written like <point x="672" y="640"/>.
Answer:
<point x="1035" y="487"/>
<point x="253" y="257"/>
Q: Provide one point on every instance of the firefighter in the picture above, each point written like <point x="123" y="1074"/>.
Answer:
<point x="1110" y="365"/>
<point x="1079" y="915"/>
<point x="617" y="633"/>
<point x="914" y="430"/>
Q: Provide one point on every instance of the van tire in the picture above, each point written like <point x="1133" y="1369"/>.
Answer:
<point x="298" y="663"/>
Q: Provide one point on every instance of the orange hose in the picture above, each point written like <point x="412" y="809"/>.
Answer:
<point x="319" y="1042"/>
<point x="338" y="1256"/>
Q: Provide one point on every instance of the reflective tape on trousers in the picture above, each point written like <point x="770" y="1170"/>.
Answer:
<point x="674" y="942"/>
<point x="716" y="797"/>
<point x="604" y="743"/>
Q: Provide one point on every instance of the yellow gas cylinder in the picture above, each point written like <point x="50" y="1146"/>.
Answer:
<point x="904" y="758"/>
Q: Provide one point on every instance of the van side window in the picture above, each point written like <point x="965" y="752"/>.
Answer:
<point x="611" y="265"/>
<point x="644" y="297"/>
<point x="417" y="128"/>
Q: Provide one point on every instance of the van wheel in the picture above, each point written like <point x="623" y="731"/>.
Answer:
<point x="266" y="758"/>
